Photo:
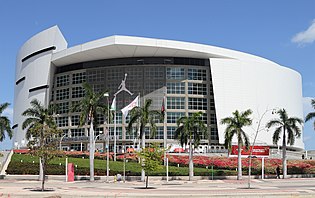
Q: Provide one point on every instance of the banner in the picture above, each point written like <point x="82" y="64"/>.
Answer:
<point x="133" y="104"/>
<point x="257" y="150"/>
<point x="113" y="106"/>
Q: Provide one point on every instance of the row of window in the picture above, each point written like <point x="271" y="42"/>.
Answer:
<point x="178" y="73"/>
<point x="64" y="80"/>
<point x="172" y="117"/>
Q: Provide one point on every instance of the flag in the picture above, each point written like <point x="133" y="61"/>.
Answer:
<point x="113" y="106"/>
<point x="133" y="104"/>
<point x="163" y="106"/>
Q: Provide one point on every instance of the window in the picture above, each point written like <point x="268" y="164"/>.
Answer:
<point x="171" y="132"/>
<point x="77" y="92"/>
<point x="62" y="94"/>
<point x="73" y="104"/>
<point x="175" y="87"/>
<point x="65" y="133"/>
<point x="118" y="133"/>
<point x="78" y="78"/>
<point x="197" y="74"/>
<point x="78" y="132"/>
<point x="62" y="80"/>
<point x="159" y="133"/>
<point x="63" y="107"/>
<point x="75" y="120"/>
<point x="62" y="121"/>
<point x="197" y="89"/>
<point x="77" y="147"/>
<point x="214" y="134"/>
<point x="203" y="117"/>
<point x="175" y="73"/>
<point x="132" y="134"/>
<point x="213" y="119"/>
<point x="175" y="103"/>
<point x="172" y="117"/>
<point x="197" y="103"/>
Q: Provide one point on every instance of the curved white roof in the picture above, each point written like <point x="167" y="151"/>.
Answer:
<point x="128" y="46"/>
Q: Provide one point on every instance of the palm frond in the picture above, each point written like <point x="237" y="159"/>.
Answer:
<point x="276" y="135"/>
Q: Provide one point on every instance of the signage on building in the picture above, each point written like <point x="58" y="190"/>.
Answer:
<point x="257" y="150"/>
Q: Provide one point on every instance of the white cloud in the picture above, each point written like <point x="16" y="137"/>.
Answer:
<point x="307" y="36"/>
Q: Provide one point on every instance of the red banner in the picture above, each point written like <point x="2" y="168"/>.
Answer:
<point x="257" y="150"/>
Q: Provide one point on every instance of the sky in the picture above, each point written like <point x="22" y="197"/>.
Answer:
<point x="282" y="31"/>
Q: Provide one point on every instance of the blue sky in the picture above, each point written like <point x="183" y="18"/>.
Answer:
<point x="282" y="31"/>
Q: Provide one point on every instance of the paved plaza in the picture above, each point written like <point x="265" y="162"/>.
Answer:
<point x="293" y="187"/>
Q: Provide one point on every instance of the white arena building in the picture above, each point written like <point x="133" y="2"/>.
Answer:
<point x="194" y="77"/>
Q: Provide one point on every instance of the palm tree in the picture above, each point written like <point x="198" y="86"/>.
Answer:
<point x="41" y="133"/>
<point x="143" y="117"/>
<point x="4" y="123"/>
<point x="89" y="106"/>
<point x="189" y="131"/>
<point x="311" y="115"/>
<point x="235" y="126"/>
<point x="289" y="128"/>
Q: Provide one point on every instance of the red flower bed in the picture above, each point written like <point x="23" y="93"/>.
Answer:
<point x="230" y="163"/>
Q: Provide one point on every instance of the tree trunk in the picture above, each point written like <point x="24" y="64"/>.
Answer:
<point x="91" y="151"/>
<point x="147" y="181"/>
<point x="142" y="147"/>
<point x="43" y="171"/>
<point x="284" y="155"/>
<point x="239" y="162"/>
<point x="191" y="163"/>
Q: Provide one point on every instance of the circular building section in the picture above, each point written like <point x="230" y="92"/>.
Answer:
<point x="192" y="77"/>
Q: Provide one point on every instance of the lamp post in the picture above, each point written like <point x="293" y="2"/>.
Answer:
<point x="107" y="138"/>
<point x="96" y="138"/>
<point x="61" y="141"/>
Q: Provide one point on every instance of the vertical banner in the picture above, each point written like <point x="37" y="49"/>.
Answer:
<point x="70" y="172"/>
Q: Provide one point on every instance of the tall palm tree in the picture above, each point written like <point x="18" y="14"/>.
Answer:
<point x="4" y="123"/>
<point x="91" y="104"/>
<point x="41" y="131"/>
<point x="189" y="131"/>
<point x="144" y="117"/>
<point x="235" y="126"/>
<point x="311" y="115"/>
<point x="289" y="128"/>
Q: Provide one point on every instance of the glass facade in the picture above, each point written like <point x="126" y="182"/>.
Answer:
<point x="186" y="82"/>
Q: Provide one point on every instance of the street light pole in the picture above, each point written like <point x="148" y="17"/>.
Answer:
<point x="107" y="138"/>
<point x="61" y="141"/>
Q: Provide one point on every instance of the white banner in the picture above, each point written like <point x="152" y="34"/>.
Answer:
<point x="113" y="107"/>
<point x="133" y="104"/>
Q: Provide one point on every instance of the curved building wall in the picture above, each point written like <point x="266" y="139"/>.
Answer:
<point x="240" y="85"/>
<point x="34" y="75"/>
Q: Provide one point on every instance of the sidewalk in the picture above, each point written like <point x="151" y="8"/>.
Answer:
<point x="295" y="187"/>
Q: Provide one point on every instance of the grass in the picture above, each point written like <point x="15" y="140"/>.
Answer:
<point x="27" y="164"/>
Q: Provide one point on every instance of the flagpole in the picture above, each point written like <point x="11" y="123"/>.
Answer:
<point x="115" y="129"/>
<point x="164" y="126"/>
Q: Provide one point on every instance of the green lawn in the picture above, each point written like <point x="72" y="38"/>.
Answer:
<point x="27" y="164"/>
